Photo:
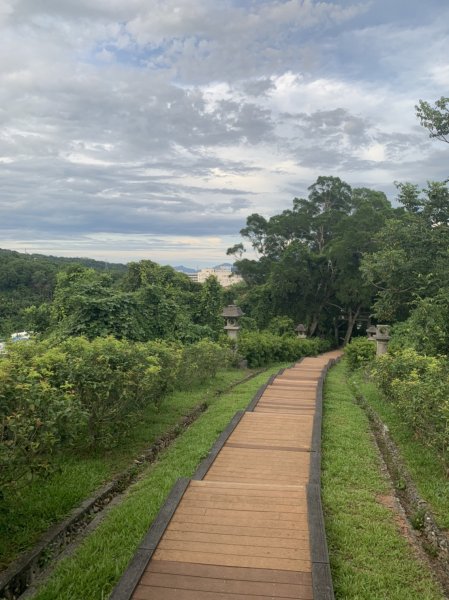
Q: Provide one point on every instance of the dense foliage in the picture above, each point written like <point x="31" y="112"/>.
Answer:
<point x="86" y="394"/>
<point x="30" y="279"/>
<point x="264" y="348"/>
<point x="419" y="386"/>
<point x="359" y="353"/>
<point x="310" y="256"/>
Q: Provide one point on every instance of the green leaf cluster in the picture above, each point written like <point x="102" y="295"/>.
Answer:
<point x="308" y="269"/>
<point x="419" y="387"/>
<point x="262" y="348"/>
<point x="87" y="394"/>
<point x="360" y="353"/>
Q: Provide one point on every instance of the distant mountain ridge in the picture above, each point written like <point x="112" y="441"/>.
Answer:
<point x="183" y="269"/>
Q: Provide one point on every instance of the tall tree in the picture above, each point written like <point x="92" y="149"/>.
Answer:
<point x="411" y="260"/>
<point x="310" y="255"/>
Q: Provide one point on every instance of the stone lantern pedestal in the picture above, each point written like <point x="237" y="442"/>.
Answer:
<point x="382" y="339"/>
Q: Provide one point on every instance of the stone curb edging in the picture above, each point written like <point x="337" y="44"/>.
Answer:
<point x="323" y="588"/>
<point x="131" y="577"/>
<point x="142" y="557"/>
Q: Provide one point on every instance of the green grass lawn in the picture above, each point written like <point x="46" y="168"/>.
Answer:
<point x="424" y="464"/>
<point x="25" y="515"/>
<point x="370" y="559"/>
<point x="93" y="570"/>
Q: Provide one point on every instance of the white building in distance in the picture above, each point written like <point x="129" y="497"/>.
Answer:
<point x="224" y="275"/>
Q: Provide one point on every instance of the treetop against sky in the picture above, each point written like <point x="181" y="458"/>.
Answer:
<point x="145" y="129"/>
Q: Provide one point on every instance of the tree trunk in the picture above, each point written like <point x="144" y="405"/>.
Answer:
<point x="352" y="318"/>
<point x="313" y="326"/>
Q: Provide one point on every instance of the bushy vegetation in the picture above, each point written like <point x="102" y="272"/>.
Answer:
<point x="264" y="348"/>
<point x="86" y="394"/>
<point x="419" y="387"/>
<point x="360" y="352"/>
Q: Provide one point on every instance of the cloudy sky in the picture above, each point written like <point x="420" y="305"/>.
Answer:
<point x="138" y="129"/>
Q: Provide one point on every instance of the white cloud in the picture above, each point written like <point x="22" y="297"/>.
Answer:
<point x="165" y="119"/>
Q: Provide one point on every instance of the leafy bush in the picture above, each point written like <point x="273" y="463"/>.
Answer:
<point x="87" y="393"/>
<point x="419" y="386"/>
<point x="113" y="380"/>
<point x="360" y="352"/>
<point x="282" y="326"/>
<point x="263" y="348"/>
<point x="201" y="361"/>
<point x="37" y="415"/>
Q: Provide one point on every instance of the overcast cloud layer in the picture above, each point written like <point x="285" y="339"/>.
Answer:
<point x="135" y="129"/>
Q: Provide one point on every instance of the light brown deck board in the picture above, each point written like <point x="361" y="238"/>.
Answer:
<point x="243" y="530"/>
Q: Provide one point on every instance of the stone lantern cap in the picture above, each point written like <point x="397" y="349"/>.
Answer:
<point x="371" y="331"/>
<point x="232" y="312"/>
<point x="300" y="328"/>
<point x="383" y="332"/>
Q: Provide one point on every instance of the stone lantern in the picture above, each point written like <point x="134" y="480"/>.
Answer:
<point x="232" y="313"/>
<point x="301" y="331"/>
<point x="382" y="338"/>
<point x="371" y="333"/>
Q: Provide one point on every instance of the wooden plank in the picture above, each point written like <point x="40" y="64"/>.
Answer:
<point x="241" y="540"/>
<point x="199" y="499"/>
<point x="241" y="530"/>
<point x="229" y="573"/>
<point x="242" y="550"/>
<point x="253" y="446"/>
<point x="258" y="562"/>
<point x="150" y="593"/>
<point x="265" y="499"/>
<point x="249" y="486"/>
<point x="233" y="520"/>
<point x="300" y="508"/>
<point x="229" y="586"/>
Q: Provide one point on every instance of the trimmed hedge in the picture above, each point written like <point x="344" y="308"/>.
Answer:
<point x="263" y="348"/>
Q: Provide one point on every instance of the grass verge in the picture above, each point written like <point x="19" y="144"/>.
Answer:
<point x="370" y="559"/>
<point x="423" y="463"/>
<point x="99" y="562"/>
<point x="27" y="513"/>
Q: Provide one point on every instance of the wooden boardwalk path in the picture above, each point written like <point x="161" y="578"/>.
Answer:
<point x="249" y="524"/>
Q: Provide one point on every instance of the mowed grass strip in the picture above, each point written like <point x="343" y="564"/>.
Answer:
<point x="424" y="464"/>
<point x="96" y="566"/>
<point x="370" y="559"/>
<point x="38" y="504"/>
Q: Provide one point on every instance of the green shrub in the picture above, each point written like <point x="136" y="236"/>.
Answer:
<point x="37" y="415"/>
<point x="113" y="380"/>
<point x="263" y="348"/>
<point x="201" y="361"/>
<point x="419" y="386"/>
<point x="360" y="352"/>
<point x="87" y="393"/>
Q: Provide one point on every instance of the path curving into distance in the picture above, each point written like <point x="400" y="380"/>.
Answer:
<point x="249" y="524"/>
